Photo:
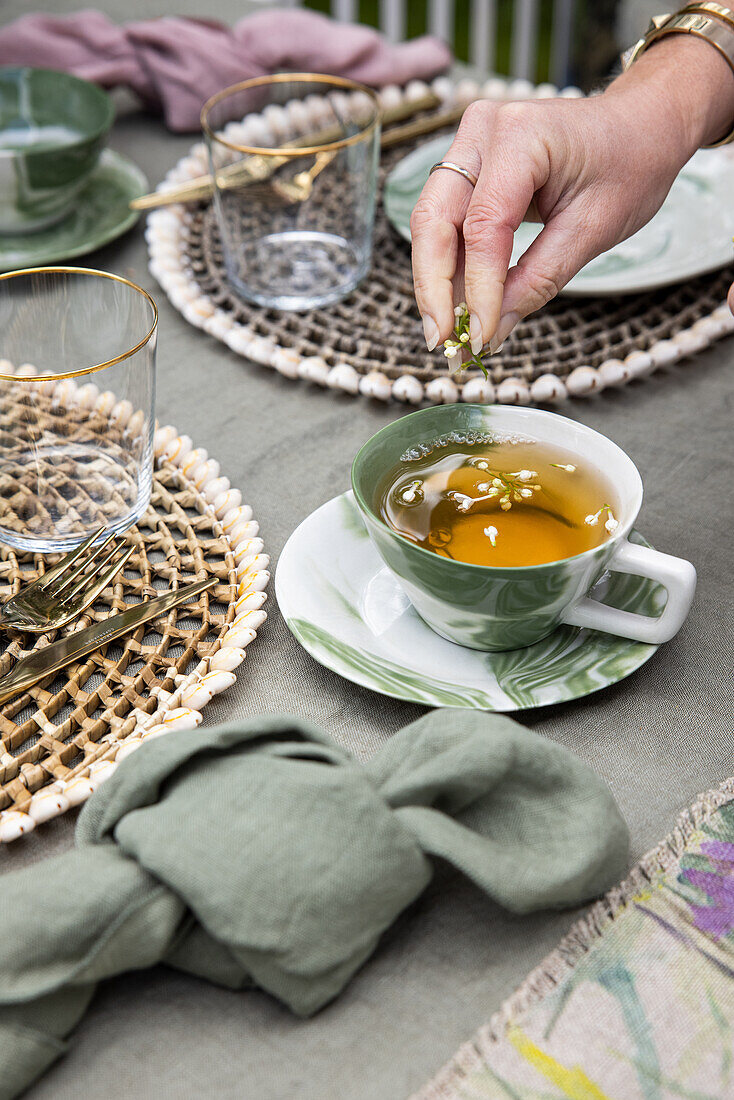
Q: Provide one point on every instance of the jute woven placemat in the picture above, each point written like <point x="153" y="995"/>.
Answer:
<point x="372" y="343"/>
<point x="61" y="738"/>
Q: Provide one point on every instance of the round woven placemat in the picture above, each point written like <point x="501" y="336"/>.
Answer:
<point x="378" y="327"/>
<point x="60" y="739"/>
<point x="372" y="342"/>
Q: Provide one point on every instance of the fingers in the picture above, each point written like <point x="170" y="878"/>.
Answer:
<point x="501" y="198"/>
<point x="435" y="228"/>
<point x="730" y="298"/>
<point x="558" y="253"/>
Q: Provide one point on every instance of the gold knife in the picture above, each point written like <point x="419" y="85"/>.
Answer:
<point x="42" y="662"/>
<point x="257" y="168"/>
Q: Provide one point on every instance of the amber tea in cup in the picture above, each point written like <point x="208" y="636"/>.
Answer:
<point x="501" y="501"/>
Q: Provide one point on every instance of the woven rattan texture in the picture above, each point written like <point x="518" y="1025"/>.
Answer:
<point x="50" y="731"/>
<point x="378" y="326"/>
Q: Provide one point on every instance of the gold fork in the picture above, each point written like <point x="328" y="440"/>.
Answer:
<point x="300" y="186"/>
<point x="66" y="590"/>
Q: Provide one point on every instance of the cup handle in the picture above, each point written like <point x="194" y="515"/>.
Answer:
<point x="675" y="574"/>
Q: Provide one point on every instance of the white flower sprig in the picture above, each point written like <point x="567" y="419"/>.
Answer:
<point x="458" y="346"/>
<point x="611" y="524"/>
<point x="508" y="487"/>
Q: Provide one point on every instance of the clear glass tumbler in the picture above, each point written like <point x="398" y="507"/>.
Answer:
<point x="77" y="392"/>
<point x="294" y="159"/>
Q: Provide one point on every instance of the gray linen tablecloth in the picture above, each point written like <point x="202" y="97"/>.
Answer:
<point x="658" y="738"/>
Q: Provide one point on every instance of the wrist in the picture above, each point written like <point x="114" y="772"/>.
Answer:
<point x="688" y="86"/>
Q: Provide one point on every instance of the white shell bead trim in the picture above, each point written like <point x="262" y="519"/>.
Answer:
<point x="166" y="238"/>
<point x="180" y="707"/>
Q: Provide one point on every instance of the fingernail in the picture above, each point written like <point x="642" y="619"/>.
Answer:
<point x="503" y="330"/>
<point x="430" y="331"/>
<point x="475" y="334"/>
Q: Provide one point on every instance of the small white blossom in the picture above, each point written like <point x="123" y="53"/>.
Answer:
<point x="611" y="524"/>
<point x="525" y="475"/>
<point x="491" y="533"/>
<point x="526" y="493"/>
<point x="564" y="466"/>
<point x="450" y="352"/>
<point x="464" y="337"/>
<point x="593" y="520"/>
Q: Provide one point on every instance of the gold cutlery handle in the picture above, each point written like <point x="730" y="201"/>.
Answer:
<point x="51" y="658"/>
<point x="259" y="167"/>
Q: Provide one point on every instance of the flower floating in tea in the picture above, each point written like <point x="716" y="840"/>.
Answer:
<point x="611" y="524"/>
<point x="499" y="500"/>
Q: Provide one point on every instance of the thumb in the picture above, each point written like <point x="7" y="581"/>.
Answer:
<point x="558" y="253"/>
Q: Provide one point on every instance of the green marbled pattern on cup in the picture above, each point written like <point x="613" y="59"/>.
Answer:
<point x="100" y="215"/>
<point x="53" y="127"/>
<point x="477" y="606"/>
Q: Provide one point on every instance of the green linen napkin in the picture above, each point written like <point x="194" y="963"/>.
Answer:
<point x="263" y="853"/>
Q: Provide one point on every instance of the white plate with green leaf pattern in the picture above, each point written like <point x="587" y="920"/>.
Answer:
<point x="690" y="235"/>
<point x="347" y="610"/>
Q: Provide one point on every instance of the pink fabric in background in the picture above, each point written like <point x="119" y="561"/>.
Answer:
<point x="175" y="64"/>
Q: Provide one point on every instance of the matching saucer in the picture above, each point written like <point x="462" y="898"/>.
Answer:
<point x="347" y="610"/>
<point x="101" y="213"/>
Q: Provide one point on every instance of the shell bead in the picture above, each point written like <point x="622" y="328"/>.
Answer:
<point x="13" y="824"/>
<point x="583" y="380"/>
<point x="243" y="532"/>
<point x="546" y="91"/>
<point x="467" y="90"/>
<point x="314" y="369"/>
<point x="182" y="718"/>
<point x="252" y="563"/>
<point x="343" y="377"/>
<point x="239" y="339"/>
<point x="442" y="391"/>
<point x="390" y="96"/>
<point x="194" y="459"/>
<point x="101" y="770"/>
<point x="286" y="362"/>
<point x="214" y="488"/>
<point x="226" y="501"/>
<point x="78" y="790"/>
<point x="261" y="350"/>
<point x="377" y="385"/>
<point x="46" y="804"/>
<point x="128" y="746"/>
<point x="639" y="364"/>
<point x="494" y="88"/>
<point x="478" y="391"/>
<point x="249" y="601"/>
<point x="689" y="342"/>
<point x="614" y="372"/>
<point x="520" y="89"/>
<point x="235" y="516"/>
<point x="409" y="389"/>
<point x="239" y="638"/>
<point x="253" y="618"/>
<point x="548" y="389"/>
<point x="416" y="89"/>
<point x="227" y="659"/>
<point x="254" y="582"/>
<point x="513" y="391"/>
<point x="177" y="449"/>
<point x="443" y="87"/>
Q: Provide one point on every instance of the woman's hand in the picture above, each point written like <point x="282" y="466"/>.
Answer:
<point x="593" y="171"/>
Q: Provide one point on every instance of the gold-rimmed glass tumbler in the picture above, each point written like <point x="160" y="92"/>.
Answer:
<point x="294" y="158"/>
<point x="77" y="393"/>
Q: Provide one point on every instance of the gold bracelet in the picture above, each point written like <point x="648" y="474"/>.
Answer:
<point x="701" y="18"/>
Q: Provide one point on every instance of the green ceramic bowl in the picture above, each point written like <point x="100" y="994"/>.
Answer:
<point x="53" y="127"/>
<point x="491" y="608"/>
